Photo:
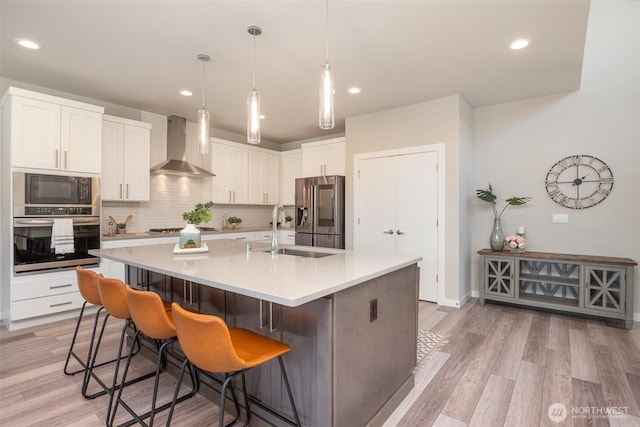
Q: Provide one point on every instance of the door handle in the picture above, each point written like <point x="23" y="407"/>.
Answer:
<point x="399" y="232"/>
<point x="388" y="232"/>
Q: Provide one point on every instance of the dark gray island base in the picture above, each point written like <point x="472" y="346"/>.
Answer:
<point x="352" y="352"/>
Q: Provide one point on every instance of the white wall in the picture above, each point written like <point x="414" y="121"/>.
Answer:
<point x="516" y="143"/>
<point x="431" y="122"/>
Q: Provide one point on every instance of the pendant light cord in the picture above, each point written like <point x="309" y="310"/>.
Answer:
<point x="203" y="83"/>
<point x="327" y="30"/>
<point x="254" y="61"/>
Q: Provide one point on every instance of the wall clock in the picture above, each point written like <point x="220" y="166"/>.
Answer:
<point x="579" y="181"/>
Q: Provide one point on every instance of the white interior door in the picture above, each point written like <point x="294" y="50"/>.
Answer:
<point x="377" y="210"/>
<point x="398" y="211"/>
<point x="417" y="215"/>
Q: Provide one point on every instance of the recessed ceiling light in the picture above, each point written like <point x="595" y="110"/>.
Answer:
<point x="519" y="44"/>
<point x="354" y="90"/>
<point x="28" y="44"/>
<point x="186" y="92"/>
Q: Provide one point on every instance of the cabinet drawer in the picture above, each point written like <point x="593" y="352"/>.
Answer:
<point x="45" y="305"/>
<point x="43" y="286"/>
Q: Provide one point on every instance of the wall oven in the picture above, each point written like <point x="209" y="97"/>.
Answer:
<point x="39" y="203"/>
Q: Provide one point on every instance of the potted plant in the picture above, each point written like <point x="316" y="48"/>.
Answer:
<point x="287" y="221"/>
<point x="234" y="221"/>
<point x="201" y="213"/>
<point x="190" y="243"/>
<point x="497" y="238"/>
<point x="190" y="235"/>
<point x="122" y="228"/>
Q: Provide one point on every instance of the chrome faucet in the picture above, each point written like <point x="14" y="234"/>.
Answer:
<point x="274" y="233"/>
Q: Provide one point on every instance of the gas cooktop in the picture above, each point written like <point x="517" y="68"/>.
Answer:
<point x="177" y="230"/>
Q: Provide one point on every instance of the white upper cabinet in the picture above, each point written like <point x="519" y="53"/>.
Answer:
<point x="324" y="158"/>
<point x="264" y="177"/>
<point x="53" y="133"/>
<point x="230" y="163"/>
<point x="290" y="169"/>
<point x="81" y="141"/>
<point x="244" y="174"/>
<point x="125" y="159"/>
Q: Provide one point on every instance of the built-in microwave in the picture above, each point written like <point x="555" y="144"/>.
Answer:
<point x="40" y="195"/>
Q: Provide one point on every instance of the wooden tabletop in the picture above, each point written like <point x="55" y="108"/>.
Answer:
<point x="561" y="257"/>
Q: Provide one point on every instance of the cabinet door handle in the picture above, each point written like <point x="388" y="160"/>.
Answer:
<point x="388" y="232"/>
<point x="184" y="290"/>
<point x="60" y="303"/>
<point x="68" y="285"/>
<point x="65" y="159"/>
<point x="262" y="322"/>
<point x="229" y="195"/>
<point x="271" y="328"/>
<point x="127" y="191"/>
<point x="57" y="159"/>
<point x="399" y="232"/>
<point x="120" y="197"/>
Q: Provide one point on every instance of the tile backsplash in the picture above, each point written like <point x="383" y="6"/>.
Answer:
<point x="172" y="195"/>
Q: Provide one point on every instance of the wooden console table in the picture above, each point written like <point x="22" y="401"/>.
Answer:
<point x="585" y="284"/>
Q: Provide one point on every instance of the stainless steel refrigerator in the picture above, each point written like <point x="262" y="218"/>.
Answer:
<point x="320" y="211"/>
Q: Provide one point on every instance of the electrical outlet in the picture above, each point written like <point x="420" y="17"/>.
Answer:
<point x="373" y="310"/>
<point x="560" y="218"/>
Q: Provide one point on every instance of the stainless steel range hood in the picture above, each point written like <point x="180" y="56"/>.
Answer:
<point x="176" y="163"/>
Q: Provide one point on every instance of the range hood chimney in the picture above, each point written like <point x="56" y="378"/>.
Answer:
<point x="176" y="163"/>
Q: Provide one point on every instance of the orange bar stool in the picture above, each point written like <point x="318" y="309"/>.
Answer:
<point x="114" y="300"/>
<point x="210" y="345"/>
<point x="88" y="286"/>
<point x="152" y="320"/>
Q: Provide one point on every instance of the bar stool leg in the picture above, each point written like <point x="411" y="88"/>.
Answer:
<point x="73" y="342"/>
<point x="160" y="365"/>
<point x="286" y="383"/>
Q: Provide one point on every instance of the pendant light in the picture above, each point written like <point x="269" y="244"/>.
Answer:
<point x="253" y="101"/>
<point x="326" y="113"/>
<point x="203" y="113"/>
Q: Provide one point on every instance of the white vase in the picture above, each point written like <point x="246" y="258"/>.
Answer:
<point x="189" y="236"/>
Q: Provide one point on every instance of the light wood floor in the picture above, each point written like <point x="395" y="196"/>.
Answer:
<point x="502" y="366"/>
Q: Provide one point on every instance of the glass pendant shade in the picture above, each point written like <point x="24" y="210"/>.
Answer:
<point x="326" y="116"/>
<point x="253" y="117"/>
<point x="203" y="131"/>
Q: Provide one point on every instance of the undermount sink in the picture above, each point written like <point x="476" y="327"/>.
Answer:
<point x="302" y="253"/>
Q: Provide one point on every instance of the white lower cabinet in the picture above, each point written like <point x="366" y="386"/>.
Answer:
<point x="287" y="237"/>
<point x="116" y="269"/>
<point x="44" y="294"/>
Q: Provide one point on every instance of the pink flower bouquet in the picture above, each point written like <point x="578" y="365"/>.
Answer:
<point x="515" y="241"/>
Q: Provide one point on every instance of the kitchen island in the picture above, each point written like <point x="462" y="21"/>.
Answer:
<point x="350" y="319"/>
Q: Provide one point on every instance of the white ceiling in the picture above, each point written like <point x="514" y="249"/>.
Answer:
<point x="140" y="53"/>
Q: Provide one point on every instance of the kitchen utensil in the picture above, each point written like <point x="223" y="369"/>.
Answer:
<point x="128" y="219"/>
<point x="113" y="219"/>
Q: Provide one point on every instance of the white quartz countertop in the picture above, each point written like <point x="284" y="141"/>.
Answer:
<point x="283" y="279"/>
